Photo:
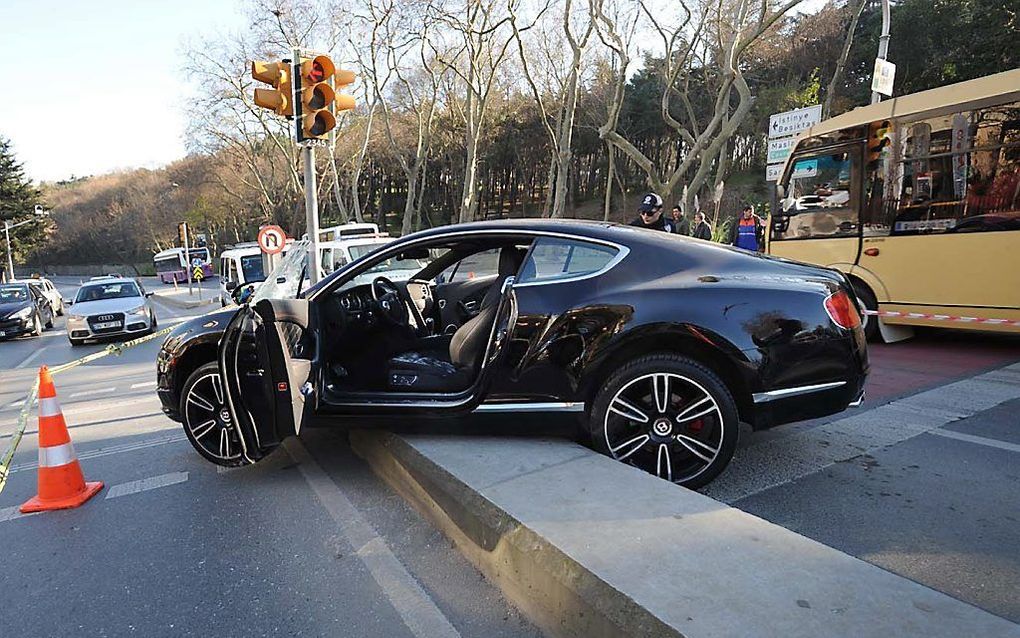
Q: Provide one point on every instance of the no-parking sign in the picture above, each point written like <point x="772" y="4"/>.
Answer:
<point x="272" y="239"/>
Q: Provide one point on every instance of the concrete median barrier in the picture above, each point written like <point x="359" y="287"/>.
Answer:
<point x="586" y="546"/>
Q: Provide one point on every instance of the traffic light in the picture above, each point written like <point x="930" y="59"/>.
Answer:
<point x="277" y="75"/>
<point x="341" y="80"/>
<point x="182" y="233"/>
<point x="878" y="139"/>
<point x="317" y="98"/>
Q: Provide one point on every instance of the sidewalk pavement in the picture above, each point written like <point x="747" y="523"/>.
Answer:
<point x="179" y="298"/>
<point x="587" y="546"/>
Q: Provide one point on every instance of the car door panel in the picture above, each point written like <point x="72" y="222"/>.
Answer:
<point x="266" y="362"/>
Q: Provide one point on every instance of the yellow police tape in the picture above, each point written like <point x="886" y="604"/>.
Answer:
<point x="19" y="431"/>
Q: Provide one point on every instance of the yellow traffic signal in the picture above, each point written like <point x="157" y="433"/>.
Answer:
<point x="341" y="80"/>
<point x="277" y="75"/>
<point x="878" y="139"/>
<point x="317" y="97"/>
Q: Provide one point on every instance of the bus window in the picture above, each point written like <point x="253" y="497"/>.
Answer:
<point x="959" y="173"/>
<point x="821" y="197"/>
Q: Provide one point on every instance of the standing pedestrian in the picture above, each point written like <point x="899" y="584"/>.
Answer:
<point x="748" y="231"/>
<point x="680" y="224"/>
<point x="701" y="228"/>
<point x="650" y="214"/>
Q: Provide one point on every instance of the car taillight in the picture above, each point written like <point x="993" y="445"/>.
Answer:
<point x="842" y="310"/>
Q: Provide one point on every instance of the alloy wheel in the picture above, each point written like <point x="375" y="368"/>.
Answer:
<point x="208" y="421"/>
<point x="666" y="424"/>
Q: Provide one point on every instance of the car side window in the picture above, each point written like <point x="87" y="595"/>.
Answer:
<point x="552" y="259"/>
<point x="481" y="264"/>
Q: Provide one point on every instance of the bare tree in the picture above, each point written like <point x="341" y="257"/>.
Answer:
<point x="723" y="30"/>
<point x="837" y="74"/>
<point x="560" y="125"/>
<point x="482" y="36"/>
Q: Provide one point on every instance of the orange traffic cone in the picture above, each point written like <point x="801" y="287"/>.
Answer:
<point x="61" y="483"/>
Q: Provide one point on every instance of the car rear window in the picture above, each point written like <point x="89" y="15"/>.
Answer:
<point x="552" y="259"/>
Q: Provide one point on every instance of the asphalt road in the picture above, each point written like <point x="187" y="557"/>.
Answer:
<point x="935" y="507"/>
<point x="309" y="542"/>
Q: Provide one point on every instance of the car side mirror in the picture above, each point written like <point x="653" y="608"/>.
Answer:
<point x="149" y="294"/>
<point x="241" y="294"/>
<point x="230" y="285"/>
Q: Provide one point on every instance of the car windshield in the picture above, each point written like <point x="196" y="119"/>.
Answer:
<point x="251" y="268"/>
<point x="285" y="281"/>
<point x="110" y="290"/>
<point x="11" y="293"/>
<point x="387" y="265"/>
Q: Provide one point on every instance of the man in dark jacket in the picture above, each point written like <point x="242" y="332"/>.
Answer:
<point x="701" y="228"/>
<point x="680" y="224"/>
<point x="650" y="214"/>
<point x="748" y="231"/>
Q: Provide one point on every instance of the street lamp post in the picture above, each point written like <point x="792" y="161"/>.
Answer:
<point x="39" y="212"/>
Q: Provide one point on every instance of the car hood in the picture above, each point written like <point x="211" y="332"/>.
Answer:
<point x="106" y="305"/>
<point x="11" y="307"/>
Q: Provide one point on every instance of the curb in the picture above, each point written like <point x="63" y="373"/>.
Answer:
<point x="170" y="301"/>
<point x="586" y="547"/>
<point x="566" y="602"/>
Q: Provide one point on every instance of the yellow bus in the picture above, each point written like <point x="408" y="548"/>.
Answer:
<point x="917" y="200"/>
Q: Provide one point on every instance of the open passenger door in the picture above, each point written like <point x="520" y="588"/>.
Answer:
<point x="266" y="359"/>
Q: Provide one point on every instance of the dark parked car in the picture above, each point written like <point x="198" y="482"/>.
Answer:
<point x="23" y="309"/>
<point x="661" y="343"/>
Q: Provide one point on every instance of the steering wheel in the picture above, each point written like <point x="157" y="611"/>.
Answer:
<point x="389" y="301"/>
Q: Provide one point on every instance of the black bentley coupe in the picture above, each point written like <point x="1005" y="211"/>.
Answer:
<point x="662" y="344"/>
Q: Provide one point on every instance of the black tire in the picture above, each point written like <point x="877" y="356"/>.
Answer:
<point x="60" y="310"/>
<point x="697" y="426"/>
<point x="49" y="323"/>
<point x="203" y="426"/>
<point x="867" y="299"/>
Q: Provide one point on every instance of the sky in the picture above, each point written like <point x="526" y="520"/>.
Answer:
<point x="72" y="109"/>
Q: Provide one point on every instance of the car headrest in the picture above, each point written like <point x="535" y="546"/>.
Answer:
<point x="510" y="259"/>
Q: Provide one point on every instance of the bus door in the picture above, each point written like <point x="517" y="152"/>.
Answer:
<point x="818" y="219"/>
<point x="942" y="229"/>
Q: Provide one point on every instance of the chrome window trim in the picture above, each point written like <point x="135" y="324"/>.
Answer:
<point x="397" y="247"/>
<point x="772" y="395"/>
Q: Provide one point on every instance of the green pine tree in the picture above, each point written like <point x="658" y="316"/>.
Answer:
<point x="18" y="199"/>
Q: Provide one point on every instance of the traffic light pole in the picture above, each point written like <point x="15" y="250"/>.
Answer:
<point x="883" y="45"/>
<point x="312" y="213"/>
<point x="308" y="159"/>
<point x="187" y="257"/>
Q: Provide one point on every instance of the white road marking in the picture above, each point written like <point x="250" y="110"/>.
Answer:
<point x="144" y="384"/>
<point x="781" y="460"/>
<point x="980" y="440"/>
<point x="30" y="358"/>
<point x="418" y="611"/>
<point x="143" y="485"/>
<point x="11" y="513"/>
<point x="88" y="393"/>
<point x="107" y="451"/>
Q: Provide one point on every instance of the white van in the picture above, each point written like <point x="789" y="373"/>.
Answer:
<point x="240" y="264"/>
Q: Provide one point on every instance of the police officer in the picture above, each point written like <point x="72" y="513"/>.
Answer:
<point x="650" y="214"/>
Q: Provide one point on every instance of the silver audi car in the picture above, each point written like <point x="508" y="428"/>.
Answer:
<point x="110" y="307"/>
